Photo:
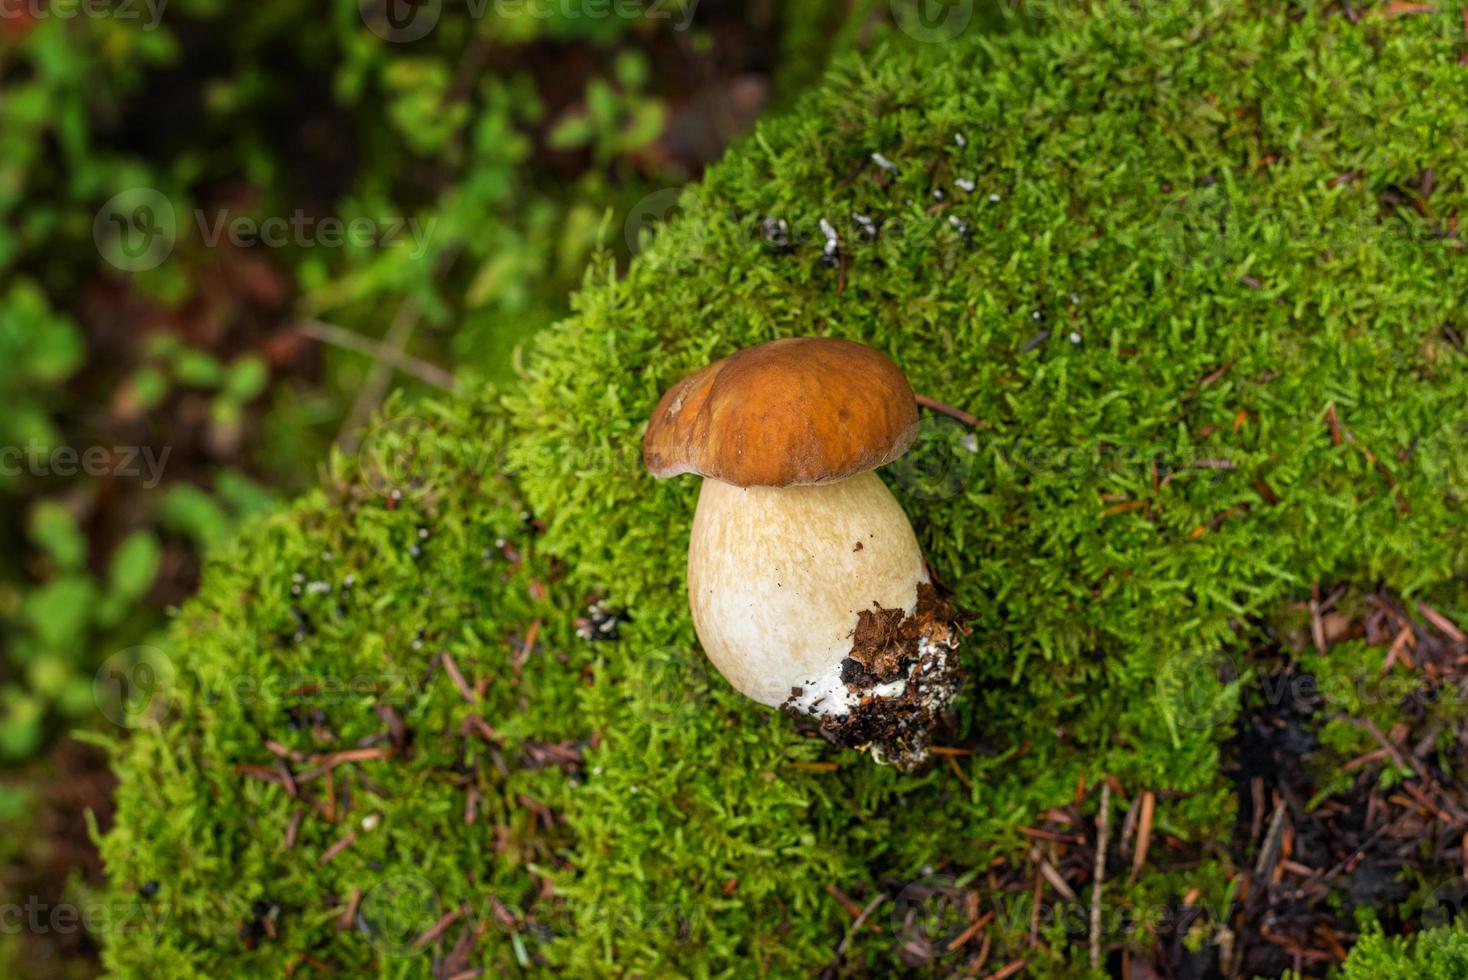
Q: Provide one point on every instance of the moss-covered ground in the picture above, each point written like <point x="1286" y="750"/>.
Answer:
<point x="1204" y="300"/>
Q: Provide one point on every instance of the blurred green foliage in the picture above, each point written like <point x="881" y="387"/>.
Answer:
<point x="487" y="158"/>
<point x="39" y="349"/>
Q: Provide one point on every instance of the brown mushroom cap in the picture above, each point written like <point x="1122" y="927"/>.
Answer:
<point x="795" y="411"/>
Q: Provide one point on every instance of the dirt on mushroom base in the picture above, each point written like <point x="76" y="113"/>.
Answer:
<point x="905" y="670"/>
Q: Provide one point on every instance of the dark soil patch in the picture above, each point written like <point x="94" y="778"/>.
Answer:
<point x="1307" y="862"/>
<point x="57" y="854"/>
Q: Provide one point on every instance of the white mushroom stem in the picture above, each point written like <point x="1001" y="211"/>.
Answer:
<point x="777" y="576"/>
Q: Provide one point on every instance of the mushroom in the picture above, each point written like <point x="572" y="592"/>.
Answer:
<point x="806" y="583"/>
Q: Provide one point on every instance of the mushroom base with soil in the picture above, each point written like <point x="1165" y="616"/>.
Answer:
<point x="902" y="671"/>
<point x="816" y="599"/>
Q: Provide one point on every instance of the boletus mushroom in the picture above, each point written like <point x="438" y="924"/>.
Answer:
<point x="806" y="582"/>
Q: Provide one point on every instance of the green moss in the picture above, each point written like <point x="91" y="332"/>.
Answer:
<point x="1153" y="472"/>
<point x="1436" y="954"/>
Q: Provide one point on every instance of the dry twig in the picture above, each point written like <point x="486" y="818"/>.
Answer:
<point x="1103" y="830"/>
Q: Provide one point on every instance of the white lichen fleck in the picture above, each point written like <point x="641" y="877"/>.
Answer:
<point x="884" y="163"/>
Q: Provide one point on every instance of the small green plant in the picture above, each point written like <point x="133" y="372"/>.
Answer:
<point x="52" y="626"/>
<point x="39" y="350"/>
<point x="1433" y="954"/>
<point x="615" y="120"/>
